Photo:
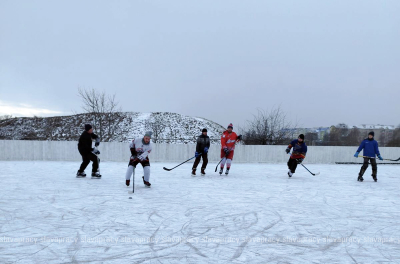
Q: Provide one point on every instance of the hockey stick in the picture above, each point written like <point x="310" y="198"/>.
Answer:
<point x="313" y="174"/>
<point x="181" y="163"/>
<point x="382" y="159"/>
<point x="219" y="163"/>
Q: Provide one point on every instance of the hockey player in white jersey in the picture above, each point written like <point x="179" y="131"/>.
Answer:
<point x="140" y="150"/>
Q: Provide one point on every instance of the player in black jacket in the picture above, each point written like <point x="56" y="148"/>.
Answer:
<point x="203" y="144"/>
<point x="85" y="149"/>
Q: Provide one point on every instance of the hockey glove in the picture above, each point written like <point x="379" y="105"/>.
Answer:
<point x="97" y="142"/>
<point x="356" y="155"/>
<point x="96" y="151"/>
<point x="240" y="137"/>
<point x="141" y="158"/>
<point x="205" y="150"/>
<point x="226" y="150"/>
<point x="196" y="154"/>
<point x="287" y="150"/>
<point x="380" y="157"/>
<point x="299" y="161"/>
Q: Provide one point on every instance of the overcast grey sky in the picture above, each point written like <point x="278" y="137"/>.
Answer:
<point x="323" y="62"/>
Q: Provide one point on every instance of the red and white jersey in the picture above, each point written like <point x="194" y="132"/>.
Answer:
<point x="228" y="140"/>
<point x="139" y="148"/>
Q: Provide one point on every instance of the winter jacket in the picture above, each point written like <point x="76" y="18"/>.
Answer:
<point x="202" y="142"/>
<point x="299" y="149"/>
<point x="139" y="148"/>
<point x="85" y="142"/>
<point x="370" y="148"/>
<point x="228" y="140"/>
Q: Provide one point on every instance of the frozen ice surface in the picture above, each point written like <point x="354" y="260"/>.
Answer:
<point x="254" y="215"/>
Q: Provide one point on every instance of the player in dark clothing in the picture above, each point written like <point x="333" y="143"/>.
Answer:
<point x="86" y="151"/>
<point x="298" y="154"/>
<point x="203" y="144"/>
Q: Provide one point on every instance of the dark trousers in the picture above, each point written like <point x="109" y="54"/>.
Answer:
<point x="365" y="166"/>
<point x="86" y="158"/>
<point x="197" y="161"/>
<point x="292" y="165"/>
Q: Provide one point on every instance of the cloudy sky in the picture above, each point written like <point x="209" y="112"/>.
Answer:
<point x="322" y="62"/>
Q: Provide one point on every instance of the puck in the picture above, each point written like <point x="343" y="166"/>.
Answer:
<point x="130" y="197"/>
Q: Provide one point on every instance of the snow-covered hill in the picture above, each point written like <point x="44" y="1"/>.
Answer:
<point x="167" y="127"/>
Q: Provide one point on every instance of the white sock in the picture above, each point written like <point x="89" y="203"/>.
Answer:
<point x="146" y="173"/>
<point x="129" y="172"/>
<point x="223" y="163"/>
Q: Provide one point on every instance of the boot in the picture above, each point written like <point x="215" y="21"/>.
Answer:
<point x="80" y="174"/>
<point x="221" y="171"/>
<point x="290" y="174"/>
<point x="193" y="172"/>
<point x="227" y="171"/>
<point x="374" y="176"/>
<point x="128" y="182"/>
<point x="360" y="178"/>
<point x="203" y="172"/>
<point x="96" y="174"/>
<point x="146" y="183"/>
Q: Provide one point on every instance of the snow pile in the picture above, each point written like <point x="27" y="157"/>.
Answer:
<point x="174" y="128"/>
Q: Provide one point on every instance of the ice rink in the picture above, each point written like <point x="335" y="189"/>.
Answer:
<point x="254" y="215"/>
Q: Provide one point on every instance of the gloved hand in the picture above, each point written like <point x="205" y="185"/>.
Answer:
<point x="299" y="161"/>
<point x="97" y="143"/>
<point x="196" y="154"/>
<point x="287" y="150"/>
<point x="356" y="155"/>
<point x="380" y="157"/>
<point x="141" y="157"/>
<point x="205" y="150"/>
<point x="240" y="137"/>
<point x="226" y="150"/>
<point x="96" y="151"/>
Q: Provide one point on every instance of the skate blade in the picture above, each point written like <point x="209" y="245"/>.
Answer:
<point x="80" y="176"/>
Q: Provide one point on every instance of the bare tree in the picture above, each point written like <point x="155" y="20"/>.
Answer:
<point x="268" y="128"/>
<point x="5" y="117"/>
<point x="105" y="111"/>
<point x="157" y="124"/>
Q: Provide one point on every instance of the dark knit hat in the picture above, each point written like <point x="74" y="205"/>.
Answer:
<point x="204" y="130"/>
<point x="301" y="136"/>
<point x="88" y="127"/>
<point x="372" y="133"/>
<point x="230" y="126"/>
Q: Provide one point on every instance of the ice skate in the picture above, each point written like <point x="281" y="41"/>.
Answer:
<point x="146" y="183"/>
<point x="96" y="175"/>
<point x="80" y="174"/>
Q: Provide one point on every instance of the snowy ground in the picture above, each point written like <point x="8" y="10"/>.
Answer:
<point x="255" y="215"/>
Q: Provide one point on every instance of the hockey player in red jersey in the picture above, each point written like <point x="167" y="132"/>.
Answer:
<point x="228" y="141"/>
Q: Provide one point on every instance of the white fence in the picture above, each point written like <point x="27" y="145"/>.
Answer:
<point x="116" y="151"/>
